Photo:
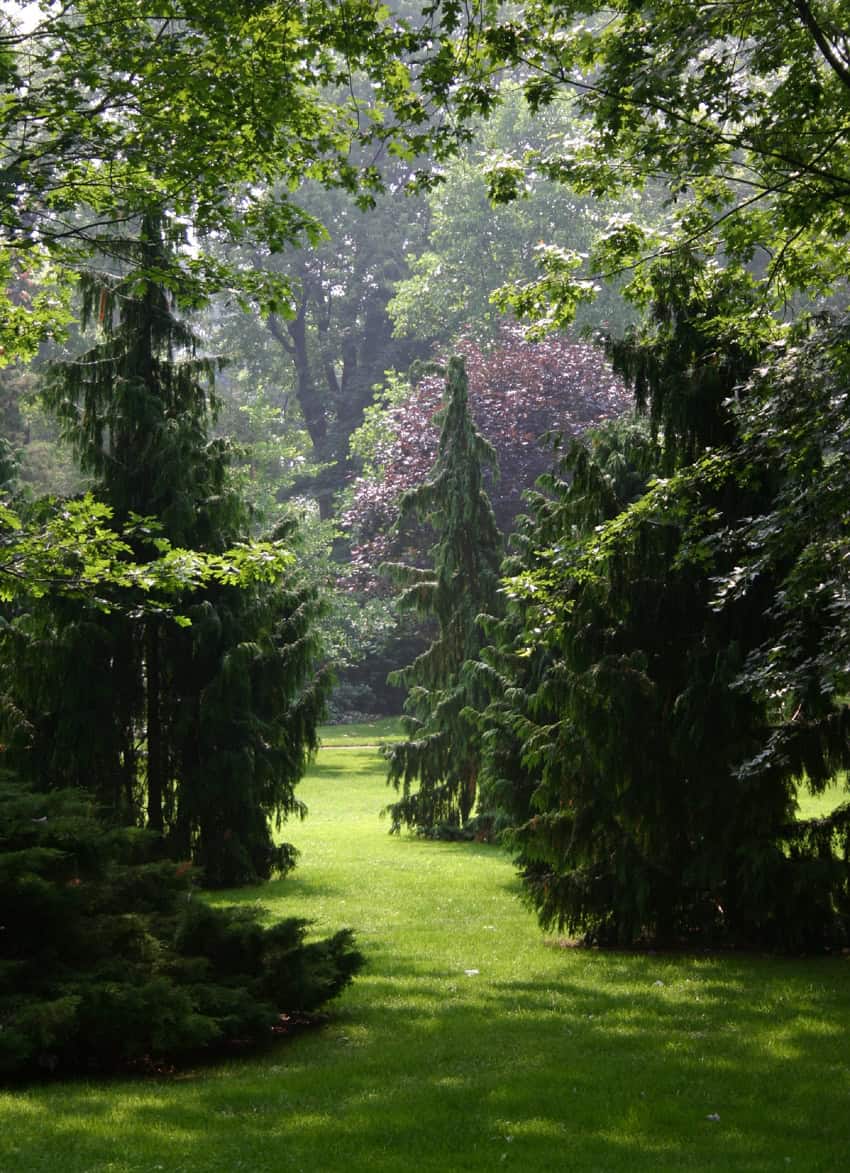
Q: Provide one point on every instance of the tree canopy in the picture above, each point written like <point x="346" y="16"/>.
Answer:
<point x="740" y="109"/>
<point x="111" y="109"/>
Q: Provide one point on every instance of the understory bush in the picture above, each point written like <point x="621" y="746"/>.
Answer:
<point x="109" y="958"/>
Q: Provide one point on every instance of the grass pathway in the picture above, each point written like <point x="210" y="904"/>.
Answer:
<point x="470" y="1043"/>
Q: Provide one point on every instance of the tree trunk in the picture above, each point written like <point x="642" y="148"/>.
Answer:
<point x="156" y="779"/>
<point x="293" y="339"/>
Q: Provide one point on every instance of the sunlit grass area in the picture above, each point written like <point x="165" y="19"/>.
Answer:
<point x="473" y="1042"/>
<point x="815" y="806"/>
<point x="362" y="732"/>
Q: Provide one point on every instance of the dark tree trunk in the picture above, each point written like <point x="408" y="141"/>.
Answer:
<point x="156" y="770"/>
<point x="293" y="338"/>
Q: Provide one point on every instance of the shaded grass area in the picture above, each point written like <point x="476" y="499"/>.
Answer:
<point x="473" y="1043"/>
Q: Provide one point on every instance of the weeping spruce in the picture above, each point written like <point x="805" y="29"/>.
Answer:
<point x="647" y="807"/>
<point x="130" y="739"/>
<point x="201" y="732"/>
<point x="436" y="769"/>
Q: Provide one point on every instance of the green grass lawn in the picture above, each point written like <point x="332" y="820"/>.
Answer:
<point x="811" y="806"/>
<point x="471" y="1042"/>
<point x="362" y="733"/>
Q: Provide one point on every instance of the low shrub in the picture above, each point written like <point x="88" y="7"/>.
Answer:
<point x="108" y="956"/>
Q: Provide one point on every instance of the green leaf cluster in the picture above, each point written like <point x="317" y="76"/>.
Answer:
<point x="217" y="112"/>
<point x="740" y="112"/>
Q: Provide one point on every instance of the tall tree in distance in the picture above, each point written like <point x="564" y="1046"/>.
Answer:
<point x="338" y="340"/>
<point x="443" y="750"/>
<point x="519" y="393"/>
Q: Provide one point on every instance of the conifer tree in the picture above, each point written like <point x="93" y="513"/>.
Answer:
<point x="200" y="733"/>
<point x="107" y="960"/>
<point x="652" y="812"/>
<point x="135" y="408"/>
<point x="591" y="481"/>
<point x="245" y="700"/>
<point x="443" y="750"/>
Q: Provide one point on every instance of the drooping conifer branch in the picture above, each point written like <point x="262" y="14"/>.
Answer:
<point x="436" y="768"/>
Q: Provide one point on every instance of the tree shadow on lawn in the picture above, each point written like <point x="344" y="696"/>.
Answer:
<point x="349" y="765"/>
<point x="614" y="1063"/>
<point x="464" y="850"/>
<point x="300" y="885"/>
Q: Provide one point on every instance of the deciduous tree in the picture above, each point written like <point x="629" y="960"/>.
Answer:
<point x="740" y="109"/>
<point x="112" y="110"/>
<point x="518" y="392"/>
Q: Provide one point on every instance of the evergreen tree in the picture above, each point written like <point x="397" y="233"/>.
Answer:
<point x="443" y="750"/>
<point x="245" y="700"/>
<point x="202" y="733"/>
<point x="654" y="814"/>
<point x="107" y="960"/>
<point x="631" y="730"/>
<point x="591" y="482"/>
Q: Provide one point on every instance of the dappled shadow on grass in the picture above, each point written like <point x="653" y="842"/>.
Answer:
<point x="458" y="848"/>
<point x="300" y="885"/>
<point x="612" y="1064"/>
<point x="464" y="850"/>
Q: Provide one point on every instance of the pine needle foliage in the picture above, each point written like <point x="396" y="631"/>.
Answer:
<point x="199" y="732"/>
<point x="109" y="959"/>
<point x="591" y="481"/>
<point x="436" y="769"/>
<point x="657" y="794"/>
<point x="137" y="406"/>
<point x="639" y="825"/>
<point x="247" y="700"/>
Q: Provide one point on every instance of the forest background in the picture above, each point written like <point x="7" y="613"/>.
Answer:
<point x="234" y="238"/>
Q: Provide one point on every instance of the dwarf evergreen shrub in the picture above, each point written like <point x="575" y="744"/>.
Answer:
<point x="108" y="957"/>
